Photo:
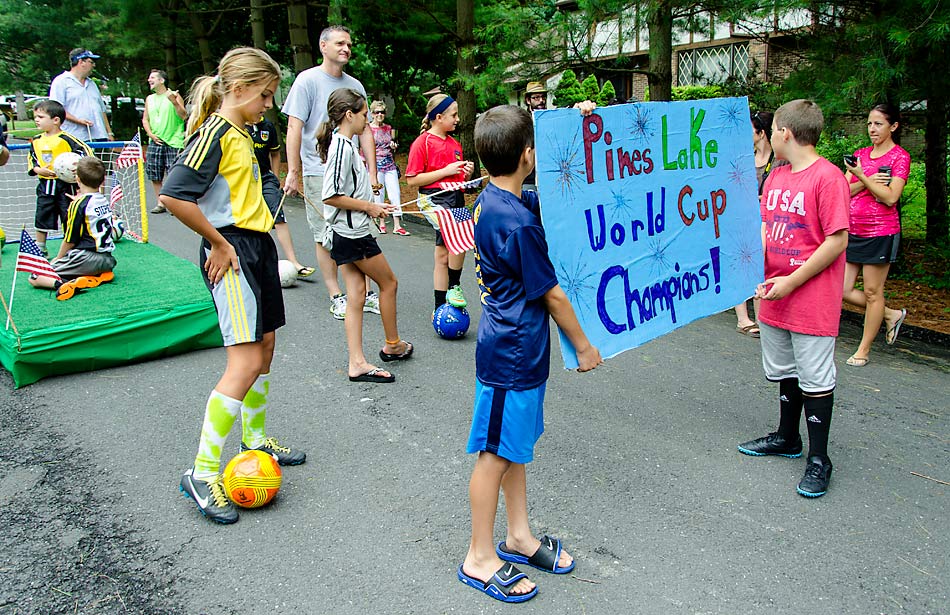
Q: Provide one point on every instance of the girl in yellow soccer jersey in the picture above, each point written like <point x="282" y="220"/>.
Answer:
<point x="214" y="188"/>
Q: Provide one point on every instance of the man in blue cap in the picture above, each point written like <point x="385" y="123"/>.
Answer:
<point x="85" y="111"/>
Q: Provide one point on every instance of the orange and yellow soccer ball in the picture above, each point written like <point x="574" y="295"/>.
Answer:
<point x="252" y="479"/>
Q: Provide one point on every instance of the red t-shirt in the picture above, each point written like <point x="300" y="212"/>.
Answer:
<point x="799" y="211"/>
<point x="430" y="152"/>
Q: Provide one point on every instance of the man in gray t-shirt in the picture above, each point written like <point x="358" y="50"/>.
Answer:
<point x="306" y="110"/>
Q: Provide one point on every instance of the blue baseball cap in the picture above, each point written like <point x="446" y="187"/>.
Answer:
<point x="82" y="55"/>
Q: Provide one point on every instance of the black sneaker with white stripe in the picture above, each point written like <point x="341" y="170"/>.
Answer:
<point x="209" y="496"/>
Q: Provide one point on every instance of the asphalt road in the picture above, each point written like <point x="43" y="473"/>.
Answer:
<point x="637" y="472"/>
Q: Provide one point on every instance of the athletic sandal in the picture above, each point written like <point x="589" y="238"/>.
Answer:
<point x="374" y="375"/>
<point x="545" y="558"/>
<point x="854" y="361"/>
<point x="305" y="272"/>
<point x="401" y="231"/>
<point x="500" y="584"/>
<point x="385" y="356"/>
<point x="750" y="330"/>
<point x="92" y="281"/>
<point x="891" y="336"/>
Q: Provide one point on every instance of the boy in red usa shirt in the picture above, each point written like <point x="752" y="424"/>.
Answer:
<point x="804" y="235"/>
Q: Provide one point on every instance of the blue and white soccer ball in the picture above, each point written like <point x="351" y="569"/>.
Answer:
<point x="450" y="322"/>
<point x="118" y="227"/>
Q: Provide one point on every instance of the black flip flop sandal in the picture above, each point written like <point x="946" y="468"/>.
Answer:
<point x="387" y="357"/>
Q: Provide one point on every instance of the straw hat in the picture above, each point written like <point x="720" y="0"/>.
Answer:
<point x="535" y="87"/>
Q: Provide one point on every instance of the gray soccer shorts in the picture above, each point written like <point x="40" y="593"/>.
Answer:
<point x="810" y="358"/>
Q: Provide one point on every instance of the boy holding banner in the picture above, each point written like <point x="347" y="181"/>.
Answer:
<point x="804" y="234"/>
<point x="518" y="290"/>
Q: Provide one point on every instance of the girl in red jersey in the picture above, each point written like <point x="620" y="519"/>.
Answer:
<point x="436" y="157"/>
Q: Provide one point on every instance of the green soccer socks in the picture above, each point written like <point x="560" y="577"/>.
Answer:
<point x="220" y="414"/>
<point x="254" y="412"/>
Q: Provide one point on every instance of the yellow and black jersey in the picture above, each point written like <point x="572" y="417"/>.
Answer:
<point x="218" y="171"/>
<point x="44" y="150"/>
<point x="89" y="223"/>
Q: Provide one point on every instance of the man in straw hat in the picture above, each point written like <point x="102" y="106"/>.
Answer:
<point x="535" y="96"/>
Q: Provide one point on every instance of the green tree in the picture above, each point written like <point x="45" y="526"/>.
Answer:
<point x="568" y="91"/>
<point x="607" y="94"/>
<point x="590" y="88"/>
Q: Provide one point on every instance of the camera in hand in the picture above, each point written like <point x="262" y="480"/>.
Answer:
<point x="850" y="160"/>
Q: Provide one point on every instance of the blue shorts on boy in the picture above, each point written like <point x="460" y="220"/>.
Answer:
<point x="507" y="423"/>
<point x="513" y="352"/>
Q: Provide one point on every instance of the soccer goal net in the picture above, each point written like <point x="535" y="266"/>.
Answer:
<point x="124" y="187"/>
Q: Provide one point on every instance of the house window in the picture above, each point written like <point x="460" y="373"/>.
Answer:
<point x="708" y="65"/>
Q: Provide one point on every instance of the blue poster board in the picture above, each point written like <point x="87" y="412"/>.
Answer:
<point x="651" y="214"/>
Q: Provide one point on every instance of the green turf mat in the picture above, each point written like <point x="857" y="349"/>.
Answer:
<point x="156" y="306"/>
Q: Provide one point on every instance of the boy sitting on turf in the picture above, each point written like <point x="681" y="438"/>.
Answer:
<point x="518" y="291"/>
<point x="52" y="194"/>
<point x="805" y="215"/>
<point x="85" y="257"/>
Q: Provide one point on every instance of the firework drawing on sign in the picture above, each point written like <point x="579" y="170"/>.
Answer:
<point x="742" y="252"/>
<point x="624" y="209"/>
<point x="737" y="174"/>
<point x="659" y="260"/>
<point x="641" y="124"/>
<point x="734" y="116"/>
<point x="568" y="166"/>
<point x="578" y="282"/>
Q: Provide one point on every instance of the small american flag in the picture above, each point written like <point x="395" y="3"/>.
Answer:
<point x="130" y="154"/>
<point x="116" y="194"/>
<point x="458" y="228"/>
<point x="472" y="183"/>
<point x="31" y="260"/>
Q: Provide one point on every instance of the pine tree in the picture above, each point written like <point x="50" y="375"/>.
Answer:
<point x="568" y="90"/>
<point x="590" y="88"/>
<point x="607" y="94"/>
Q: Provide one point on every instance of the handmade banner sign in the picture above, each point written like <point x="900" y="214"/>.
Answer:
<point x="651" y="214"/>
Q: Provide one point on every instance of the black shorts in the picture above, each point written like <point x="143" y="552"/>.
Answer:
<point x="249" y="303"/>
<point x="345" y="251"/>
<point x="872" y="250"/>
<point x="270" y="186"/>
<point x="456" y="198"/>
<point x="52" y="209"/>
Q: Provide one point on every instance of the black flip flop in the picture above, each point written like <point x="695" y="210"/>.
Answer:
<point x="373" y="375"/>
<point x="385" y="356"/>
<point x="545" y="558"/>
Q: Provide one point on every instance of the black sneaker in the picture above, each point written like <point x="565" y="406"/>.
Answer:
<point x="773" y="444"/>
<point x="285" y="456"/>
<point x="210" y="497"/>
<point x="817" y="476"/>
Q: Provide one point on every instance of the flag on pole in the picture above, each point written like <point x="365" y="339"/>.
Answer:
<point x="116" y="194"/>
<point x="31" y="260"/>
<point x="472" y="183"/>
<point x="458" y="228"/>
<point x="130" y="154"/>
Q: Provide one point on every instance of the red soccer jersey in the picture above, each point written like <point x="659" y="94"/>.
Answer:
<point x="432" y="153"/>
<point x="799" y="211"/>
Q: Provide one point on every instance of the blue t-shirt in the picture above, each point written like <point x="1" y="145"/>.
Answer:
<point x="513" y="272"/>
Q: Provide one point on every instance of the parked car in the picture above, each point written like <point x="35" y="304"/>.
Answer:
<point x="124" y="100"/>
